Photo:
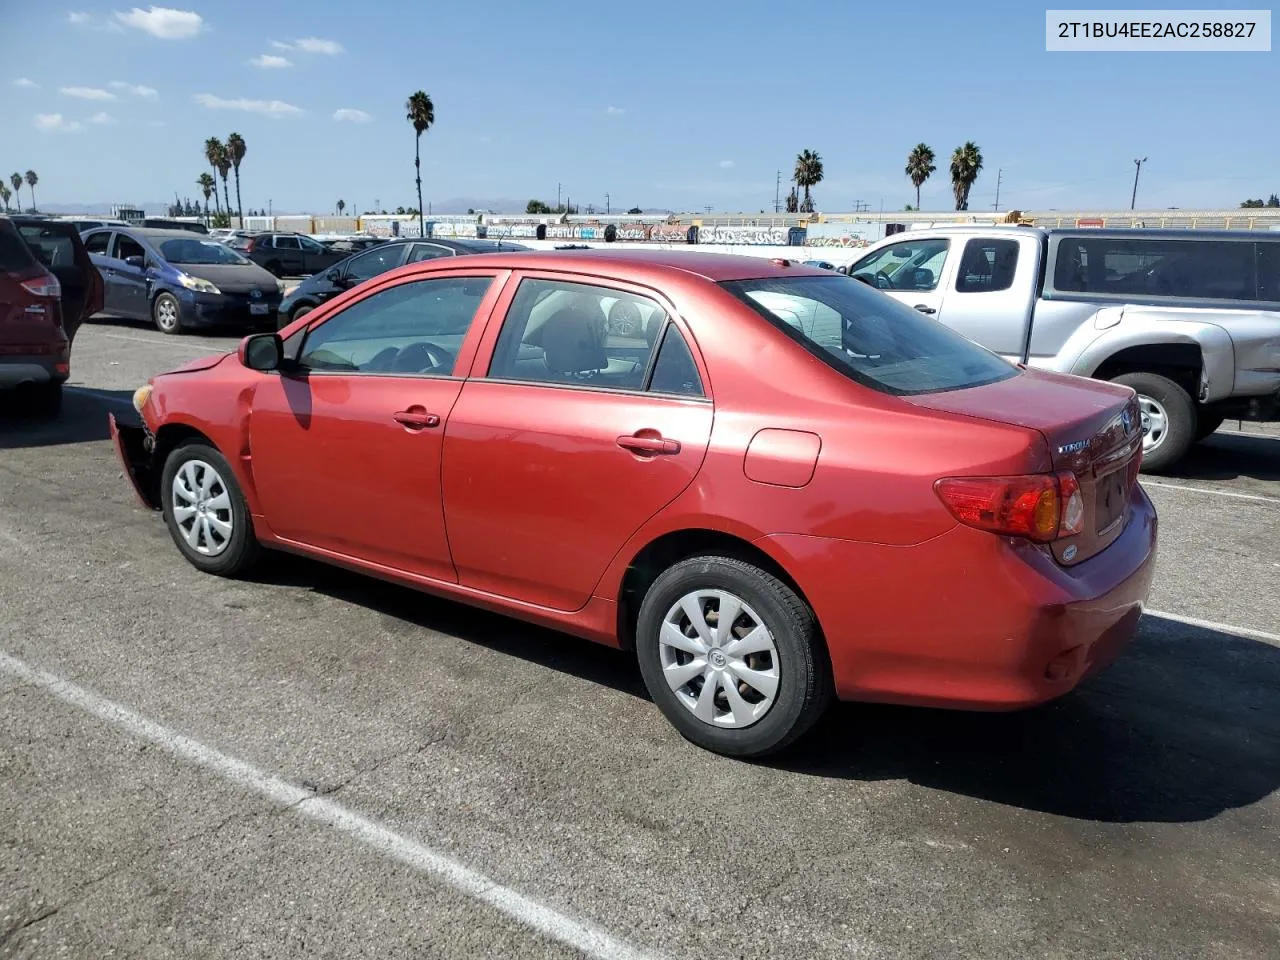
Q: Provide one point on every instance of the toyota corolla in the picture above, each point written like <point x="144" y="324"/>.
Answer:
<point x="773" y="483"/>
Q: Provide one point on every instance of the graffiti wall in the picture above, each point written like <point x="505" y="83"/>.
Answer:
<point x="848" y="235"/>
<point x="763" y="235"/>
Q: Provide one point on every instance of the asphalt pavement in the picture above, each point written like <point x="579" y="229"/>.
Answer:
<point x="311" y="763"/>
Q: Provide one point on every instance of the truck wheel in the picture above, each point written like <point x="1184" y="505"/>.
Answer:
<point x="1168" y="419"/>
<point x="1207" y="424"/>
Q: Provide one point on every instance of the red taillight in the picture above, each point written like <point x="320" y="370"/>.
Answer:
<point x="45" y="285"/>
<point x="248" y="247"/>
<point x="1040" y="507"/>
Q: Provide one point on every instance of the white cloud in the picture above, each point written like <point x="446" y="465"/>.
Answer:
<point x="138" y="90"/>
<point x="79" y="19"/>
<point x="316" y="45"/>
<point x="351" y="114"/>
<point x="727" y="164"/>
<point x="87" y="93"/>
<point x="56" y="123"/>
<point x="279" y="45"/>
<point x="269" y="108"/>
<point x="89" y="22"/>
<point x="614" y="111"/>
<point x="102" y="118"/>
<point x="268" y="61"/>
<point x="25" y="82"/>
<point x="163" y="22"/>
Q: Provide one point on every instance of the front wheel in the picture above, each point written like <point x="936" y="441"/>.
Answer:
<point x="167" y="313"/>
<point x="732" y="656"/>
<point x="1168" y="419"/>
<point x="206" y="512"/>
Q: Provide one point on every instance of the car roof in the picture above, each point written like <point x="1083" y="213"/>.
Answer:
<point x="716" y="267"/>
<point x="155" y="234"/>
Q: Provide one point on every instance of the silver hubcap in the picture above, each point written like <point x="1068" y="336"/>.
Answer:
<point x="167" y="312"/>
<point x="719" y="658"/>
<point x="202" y="508"/>
<point x="1155" y="423"/>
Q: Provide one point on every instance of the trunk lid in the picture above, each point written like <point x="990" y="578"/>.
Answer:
<point x="1092" y="428"/>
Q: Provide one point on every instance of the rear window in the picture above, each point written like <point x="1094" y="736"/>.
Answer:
<point x="1142" y="267"/>
<point x="870" y="337"/>
<point x="51" y="245"/>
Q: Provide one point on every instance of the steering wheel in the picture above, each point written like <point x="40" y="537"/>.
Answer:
<point x="410" y="359"/>
<point x="883" y="281"/>
<point x="624" y="319"/>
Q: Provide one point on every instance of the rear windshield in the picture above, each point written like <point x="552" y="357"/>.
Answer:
<point x="52" y="245"/>
<point x="199" y="251"/>
<point x="869" y="336"/>
<point x="14" y="255"/>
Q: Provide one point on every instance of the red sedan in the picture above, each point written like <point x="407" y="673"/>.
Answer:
<point x="774" y="483"/>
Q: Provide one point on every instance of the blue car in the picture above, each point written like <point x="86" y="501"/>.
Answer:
<point x="180" y="280"/>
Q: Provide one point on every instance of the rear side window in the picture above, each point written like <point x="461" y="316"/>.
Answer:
<point x="870" y="338"/>
<point x="1142" y="267"/>
<point x="674" y="370"/>
<point x="987" y="266"/>
<point x="1269" y="271"/>
<point x="286" y="243"/>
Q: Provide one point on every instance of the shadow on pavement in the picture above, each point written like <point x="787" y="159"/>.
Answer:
<point x="1183" y="727"/>
<point x="1227" y="456"/>
<point x="83" y="418"/>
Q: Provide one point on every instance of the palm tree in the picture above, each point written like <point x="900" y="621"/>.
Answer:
<point x="341" y="205"/>
<point x="16" y="180"/>
<point x="213" y="153"/>
<point x="32" y="180"/>
<point x="421" y="113"/>
<point x="808" y="174"/>
<point x="919" y="166"/>
<point x="209" y="187"/>
<point x="236" y="149"/>
<point x="966" y="163"/>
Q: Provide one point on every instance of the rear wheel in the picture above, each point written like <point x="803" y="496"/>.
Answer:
<point x="167" y="313"/>
<point x="206" y="512"/>
<point x="1168" y="419"/>
<point x="732" y="656"/>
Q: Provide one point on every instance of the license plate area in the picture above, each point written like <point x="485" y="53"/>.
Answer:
<point x="1109" y="500"/>
<point x="258" y="309"/>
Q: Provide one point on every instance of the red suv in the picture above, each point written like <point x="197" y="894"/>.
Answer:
<point x="48" y="287"/>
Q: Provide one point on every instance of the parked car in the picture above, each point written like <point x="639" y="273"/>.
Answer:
<point x="344" y="275"/>
<point x="178" y="280"/>
<point x="771" y="481"/>
<point x="354" y="244"/>
<point x="35" y="352"/>
<point x="82" y="224"/>
<point x="165" y="223"/>
<point x="1190" y="319"/>
<point x="62" y="251"/>
<point x="291" y="254"/>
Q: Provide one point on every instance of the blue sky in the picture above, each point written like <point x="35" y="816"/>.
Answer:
<point x="664" y="104"/>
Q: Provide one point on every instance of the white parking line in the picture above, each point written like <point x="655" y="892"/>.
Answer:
<point x="167" y="342"/>
<point x="1246" y="632"/>
<point x="1213" y="493"/>
<point x="582" y="936"/>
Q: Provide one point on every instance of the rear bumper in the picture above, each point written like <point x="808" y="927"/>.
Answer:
<point x="973" y="621"/>
<point x="134" y="447"/>
<point x="18" y="370"/>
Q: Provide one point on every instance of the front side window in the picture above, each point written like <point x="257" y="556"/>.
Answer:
<point x="373" y="263"/>
<point x="1142" y="267"/>
<point x="577" y="333"/>
<point x="414" y="329"/>
<point x="127" y="247"/>
<point x="909" y="265"/>
<point x="311" y="246"/>
<point x="872" y="339"/>
<point x="987" y="266"/>
<point x="98" y="242"/>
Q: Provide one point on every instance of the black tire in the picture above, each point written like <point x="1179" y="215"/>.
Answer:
<point x="1180" y="418"/>
<point x="46" y="399"/>
<point x="241" y="549"/>
<point x="301" y="311"/>
<point x="804" y="672"/>
<point x="166" y="313"/>
<point x="1207" y="424"/>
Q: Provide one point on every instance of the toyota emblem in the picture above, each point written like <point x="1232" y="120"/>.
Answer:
<point x="255" y="294"/>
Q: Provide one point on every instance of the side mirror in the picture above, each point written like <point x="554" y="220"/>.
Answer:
<point x="261" y="351"/>
<point x="138" y="262"/>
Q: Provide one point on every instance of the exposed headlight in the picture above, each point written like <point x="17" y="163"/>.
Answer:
<point x="141" y="396"/>
<point x="196" y="284"/>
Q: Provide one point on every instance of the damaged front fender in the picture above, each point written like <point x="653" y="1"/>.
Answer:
<point x="136" y="449"/>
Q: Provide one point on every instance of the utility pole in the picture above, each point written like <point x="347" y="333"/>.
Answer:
<point x="607" y="208"/>
<point x="777" y="192"/>
<point x="1137" y="170"/>
<point x="557" y="198"/>
<point x="708" y="208"/>
<point x="999" y="177"/>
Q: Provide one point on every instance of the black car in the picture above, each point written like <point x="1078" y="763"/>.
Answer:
<point x="291" y="254"/>
<point x="370" y="263"/>
<point x="351" y="245"/>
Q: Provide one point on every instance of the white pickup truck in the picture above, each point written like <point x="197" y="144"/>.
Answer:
<point x="1190" y="319"/>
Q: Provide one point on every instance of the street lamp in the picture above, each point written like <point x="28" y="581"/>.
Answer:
<point x="1137" y="164"/>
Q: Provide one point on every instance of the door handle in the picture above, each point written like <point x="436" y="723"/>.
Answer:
<point x="650" y="446"/>
<point x="415" y="419"/>
<point x="925" y="308"/>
